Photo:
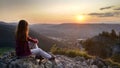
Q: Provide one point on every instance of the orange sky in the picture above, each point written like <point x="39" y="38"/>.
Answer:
<point x="60" y="11"/>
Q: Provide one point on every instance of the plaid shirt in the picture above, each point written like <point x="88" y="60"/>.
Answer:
<point x="22" y="48"/>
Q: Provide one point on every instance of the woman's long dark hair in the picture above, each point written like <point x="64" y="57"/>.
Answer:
<point x="22" y="31"/>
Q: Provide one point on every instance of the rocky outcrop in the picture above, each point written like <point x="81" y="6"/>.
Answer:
<point x="9" y="60"/>
<point x="80" y="62"/>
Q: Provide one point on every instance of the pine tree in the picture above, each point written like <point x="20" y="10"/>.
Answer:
<point x="105" y="34"/>
<point x="119" y="36"/>
<point x="113" y="34"/>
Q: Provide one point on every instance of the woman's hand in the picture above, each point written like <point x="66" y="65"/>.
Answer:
<point x="33" y="40"/>
<point x="36" y="41"/>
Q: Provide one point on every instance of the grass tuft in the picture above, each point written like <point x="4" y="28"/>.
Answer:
<point x="5" y="49"/>
<point x="69" y="52"/>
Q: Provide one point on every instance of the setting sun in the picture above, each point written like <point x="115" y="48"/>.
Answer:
<point x="80" y="18"/>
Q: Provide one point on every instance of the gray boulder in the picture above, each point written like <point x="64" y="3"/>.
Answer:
<point x="10" y="60"/>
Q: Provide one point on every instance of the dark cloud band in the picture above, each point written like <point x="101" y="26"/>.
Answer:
<point x="109" y="7"/>
<point x="107" y="14"/>
<point x="117" y="8"/>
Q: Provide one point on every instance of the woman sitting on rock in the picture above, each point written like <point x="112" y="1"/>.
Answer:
<point x="22" y="42"/>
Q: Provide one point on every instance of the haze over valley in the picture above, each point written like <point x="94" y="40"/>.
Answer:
<point x="72" y="31"/>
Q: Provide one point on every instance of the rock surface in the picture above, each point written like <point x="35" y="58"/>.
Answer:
<point x="9" y="60"/>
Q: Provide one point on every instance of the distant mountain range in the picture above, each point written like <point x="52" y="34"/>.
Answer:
<point x="72" y="30"/>
<point x="44" y="32"/>
<point x="7" y="37"/>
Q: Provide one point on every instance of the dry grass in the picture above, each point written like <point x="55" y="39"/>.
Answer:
<point x="69" y="52"/>
<point x="112" y="63"/>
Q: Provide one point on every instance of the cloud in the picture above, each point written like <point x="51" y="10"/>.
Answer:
<point x="114" y="13"/>
<point x="107" y="14"/>
<point x="117" y="8"/>
<point x="109" y="7"/>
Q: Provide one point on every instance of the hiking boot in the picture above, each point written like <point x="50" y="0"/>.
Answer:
<point x="52" y="58"/>
<point x="40" y="58"/>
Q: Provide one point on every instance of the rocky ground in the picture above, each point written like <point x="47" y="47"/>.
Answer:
<point x="9" y="60"/>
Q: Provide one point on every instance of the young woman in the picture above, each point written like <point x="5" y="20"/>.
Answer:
<point x="22" y="45"/>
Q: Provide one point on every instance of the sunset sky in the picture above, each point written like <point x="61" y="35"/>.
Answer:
<point x="60" y="11"/>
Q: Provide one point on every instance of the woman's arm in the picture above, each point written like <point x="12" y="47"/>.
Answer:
<point x="32" y="40"/>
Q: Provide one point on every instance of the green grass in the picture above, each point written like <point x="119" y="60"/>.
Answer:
<point x="5" y="49"/>
<point x="69" y="52"/>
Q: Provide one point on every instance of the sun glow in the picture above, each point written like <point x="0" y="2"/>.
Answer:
<point x="80" y="19"/>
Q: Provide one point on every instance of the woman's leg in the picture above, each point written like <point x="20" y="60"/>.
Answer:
<point x="44" y="54"/>
<point x="39" y="51"/>
<point x="35" y="51"/>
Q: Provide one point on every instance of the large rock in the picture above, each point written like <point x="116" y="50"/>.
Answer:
<point x="10" y="60"/>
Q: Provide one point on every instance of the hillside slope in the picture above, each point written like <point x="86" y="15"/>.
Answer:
<point x="7" y="37"/>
